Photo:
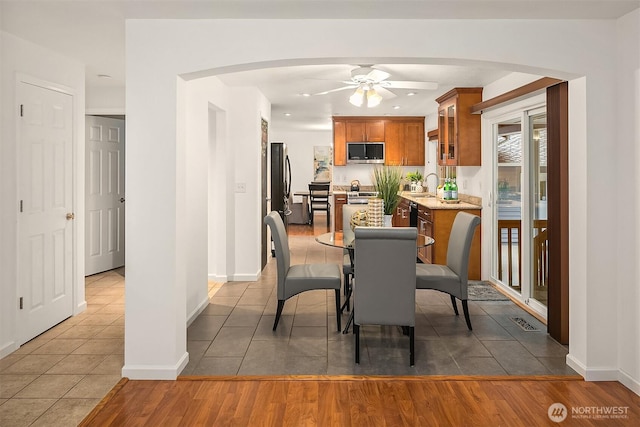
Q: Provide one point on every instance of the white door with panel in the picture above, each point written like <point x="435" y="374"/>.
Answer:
<point x="45" y="221"/>
<point x="105" y="199"/>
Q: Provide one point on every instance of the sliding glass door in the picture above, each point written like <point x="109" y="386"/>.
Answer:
<point x="520" y="212"/>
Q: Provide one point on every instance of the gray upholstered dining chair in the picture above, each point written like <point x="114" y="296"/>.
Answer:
<point x="293" y="279"/>
<point x="385" y="280"/>
<point x="347" y="233"/>
<point x="452" y="278"/>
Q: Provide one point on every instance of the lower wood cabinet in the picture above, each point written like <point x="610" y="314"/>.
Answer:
<point x="401" y="215"/>
<point x="437" y="223"/>
<point x="339" y="200"/>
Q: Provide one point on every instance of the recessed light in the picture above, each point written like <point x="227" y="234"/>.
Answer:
<point x="411" y="94"/>
<point x="104" y="76"/>
<point x="305" y="94"/>
<point x="396" y="107"/>
<point x="287" y="114"/>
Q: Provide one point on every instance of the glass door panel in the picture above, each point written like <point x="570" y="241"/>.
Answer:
<point x="538" y="203"/>
<point x="508" y="207"/>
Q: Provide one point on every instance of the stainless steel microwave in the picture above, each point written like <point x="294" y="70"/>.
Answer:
<point x="365" y="152"/>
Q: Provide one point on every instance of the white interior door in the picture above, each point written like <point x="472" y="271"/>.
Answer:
<point x="45" y="222"/>
<point x="105" y="200"/>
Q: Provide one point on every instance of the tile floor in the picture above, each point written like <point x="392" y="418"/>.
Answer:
<point x="233" y="335"/>
<point x="59" y="376"/>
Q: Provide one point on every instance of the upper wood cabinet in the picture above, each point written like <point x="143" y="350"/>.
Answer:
<point x="459" y="130"/>
<point x="339" y="142"/>
<point x="403" y="138"/>
<point x="365" y="131"/>
<point x="404" y="142"/>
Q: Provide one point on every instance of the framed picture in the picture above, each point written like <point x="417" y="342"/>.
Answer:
<point x="322" y="162"/>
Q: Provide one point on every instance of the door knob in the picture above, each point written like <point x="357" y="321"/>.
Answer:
<point x="121" y="199"/>
<point x="70" y="216"/>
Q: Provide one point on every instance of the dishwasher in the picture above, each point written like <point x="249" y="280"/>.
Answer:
<point x="413" y="214"/>
<point x="413" y="221"/>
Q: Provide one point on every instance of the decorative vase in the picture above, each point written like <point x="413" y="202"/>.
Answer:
<point x="387" y="221"/>
<point x="375" y="211"/>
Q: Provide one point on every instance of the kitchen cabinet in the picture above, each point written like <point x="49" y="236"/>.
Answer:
<point x="401" y="215"/>
<point x="339" y="143"/>
<point x="404" y="142"/>
<point x="437" y="223"/>
<point x="365" y="131"/>
<point x="404" y="137"/>
<point x="459" y="130"/>
<point x="339" y="200"/>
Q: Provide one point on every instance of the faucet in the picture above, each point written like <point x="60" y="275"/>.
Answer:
<point x="435" y="189"/>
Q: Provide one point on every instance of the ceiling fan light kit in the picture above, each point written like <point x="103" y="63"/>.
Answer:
<point x="358" y="97"/>
<point x="373" y="83"/>
<point x="373" y="98"/>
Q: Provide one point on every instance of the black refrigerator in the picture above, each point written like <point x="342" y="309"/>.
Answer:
<point x="280" y="180"/>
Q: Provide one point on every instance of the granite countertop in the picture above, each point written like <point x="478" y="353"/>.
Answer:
<point x="430" y="202"/>
<point x="433" y="203"/>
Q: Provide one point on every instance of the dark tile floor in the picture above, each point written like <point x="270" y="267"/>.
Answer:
<point x="233" y="335"/>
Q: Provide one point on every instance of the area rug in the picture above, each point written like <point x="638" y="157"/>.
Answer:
<point x="483" y="291"/>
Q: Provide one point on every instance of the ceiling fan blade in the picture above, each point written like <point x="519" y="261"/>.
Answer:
<point x="385" y="93"/>
<point x="336" y="90"/>
<point x="399" y="84"/>
<point x="377" y="75"/>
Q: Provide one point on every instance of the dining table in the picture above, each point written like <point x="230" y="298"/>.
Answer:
<point x="336" y="239"/>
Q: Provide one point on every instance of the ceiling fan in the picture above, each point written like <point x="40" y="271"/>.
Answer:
<point x="372" y="83"/>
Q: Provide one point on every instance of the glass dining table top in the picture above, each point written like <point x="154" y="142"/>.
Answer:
<point x="336" y="239"/>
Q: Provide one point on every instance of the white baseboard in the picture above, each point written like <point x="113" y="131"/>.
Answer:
<point x="592" y="374"/>
<point x="245" y="277"/>
<point x="80" y="308"/>
<point x="199" y="309"/>
<point x="629" y="382"/>
<point x="155" y="372"/>
<point x="218" y="278"/>
<point x="574" y="364"/>
<point x="8" y="348"/>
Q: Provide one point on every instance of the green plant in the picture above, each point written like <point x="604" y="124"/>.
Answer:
<point x="414" y="176"/>
<point x="386" y="181"/>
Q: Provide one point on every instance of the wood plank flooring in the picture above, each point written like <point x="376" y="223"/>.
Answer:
<point x="364" y="401"/>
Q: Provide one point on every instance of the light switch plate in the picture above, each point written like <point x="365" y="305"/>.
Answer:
<point x="241" y="187"/>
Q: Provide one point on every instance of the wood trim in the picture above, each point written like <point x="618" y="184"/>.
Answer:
<point x="558" y="211"/>
<point x="383" y="378"/>
<point x="433" y="135"/>
<point x="457" y="91"/>
<point x="512" y="95"/>
<point x="373" y="118"/>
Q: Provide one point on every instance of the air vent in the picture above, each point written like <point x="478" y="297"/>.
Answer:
<point x="524" y="325"/>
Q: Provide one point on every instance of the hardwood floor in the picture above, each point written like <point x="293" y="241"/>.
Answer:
<point x="365" y="401"/>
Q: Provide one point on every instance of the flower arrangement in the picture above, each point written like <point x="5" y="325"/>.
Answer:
<point x="386" y="181"/>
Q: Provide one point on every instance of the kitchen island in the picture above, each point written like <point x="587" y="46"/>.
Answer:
<point x="434" y="218"/>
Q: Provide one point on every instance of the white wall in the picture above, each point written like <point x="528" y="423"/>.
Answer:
<point x="22" y="57"/>
<point x="541" y="46"/>
<point x="105" y="100"/>
<point x="627" y="153"/>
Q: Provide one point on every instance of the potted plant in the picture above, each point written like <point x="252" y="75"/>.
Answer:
<point x="386" y="181"/>
<point x="416" y="181"/>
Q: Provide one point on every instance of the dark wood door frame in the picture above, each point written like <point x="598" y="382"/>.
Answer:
<point x="558" y="211"/>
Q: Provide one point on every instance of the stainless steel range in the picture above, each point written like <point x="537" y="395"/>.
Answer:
<point x="360" y="197"/>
